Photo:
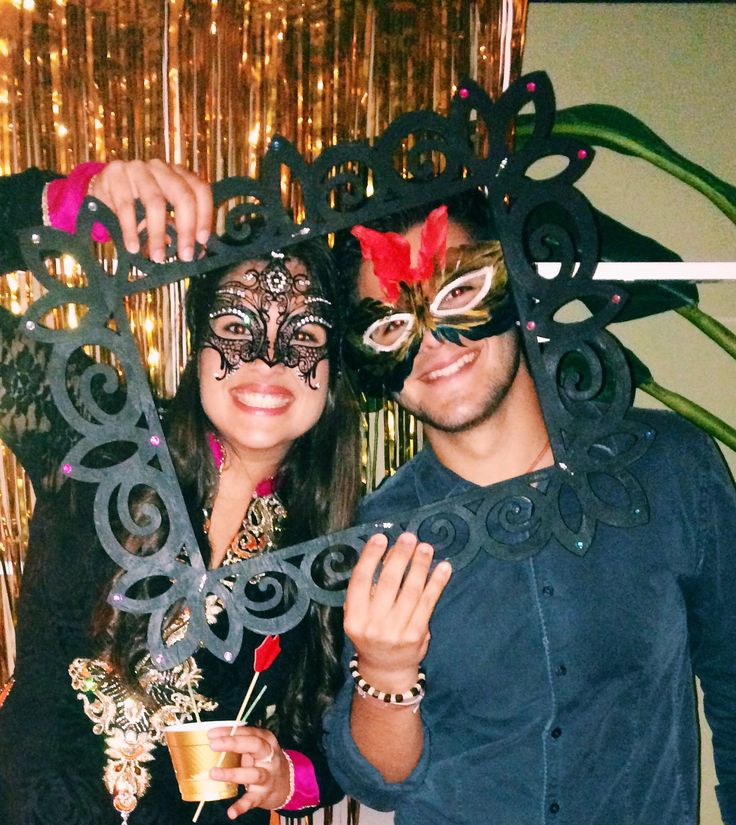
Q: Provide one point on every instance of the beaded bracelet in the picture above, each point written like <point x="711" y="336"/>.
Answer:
<point x="410" y="697"/>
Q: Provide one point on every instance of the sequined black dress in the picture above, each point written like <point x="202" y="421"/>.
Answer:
<point x="51" y="763"/>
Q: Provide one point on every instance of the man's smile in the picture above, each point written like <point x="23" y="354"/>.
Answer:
<point x="451" y="368"/>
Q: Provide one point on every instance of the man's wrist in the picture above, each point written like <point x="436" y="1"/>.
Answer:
<point x="389" y="680"/>
<point x="411" y="697"/>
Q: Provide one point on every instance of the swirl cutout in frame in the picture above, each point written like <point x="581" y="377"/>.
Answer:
<point x="422" y="157"/>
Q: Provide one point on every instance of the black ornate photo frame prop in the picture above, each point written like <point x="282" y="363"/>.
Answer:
<point x="579" y="369"/>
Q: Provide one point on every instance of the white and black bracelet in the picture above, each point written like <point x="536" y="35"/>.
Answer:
<point x="408" y="698"/>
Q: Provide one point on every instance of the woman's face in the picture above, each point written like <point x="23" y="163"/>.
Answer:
<point x="263" y="368"/>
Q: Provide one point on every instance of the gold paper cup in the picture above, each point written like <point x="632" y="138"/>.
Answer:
<point x="193" y="757"/>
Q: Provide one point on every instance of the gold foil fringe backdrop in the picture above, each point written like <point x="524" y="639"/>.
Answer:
<point x="207" y="83"/>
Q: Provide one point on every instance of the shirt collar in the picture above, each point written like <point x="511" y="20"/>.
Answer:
<point x="433" y="481"/>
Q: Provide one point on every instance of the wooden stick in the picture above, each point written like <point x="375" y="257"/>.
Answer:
<point x="241" y="716"/>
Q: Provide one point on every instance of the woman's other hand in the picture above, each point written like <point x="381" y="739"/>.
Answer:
<point x="264" y="769"/>
<point x="155" y="184"/>
<point x="387" y="614"/>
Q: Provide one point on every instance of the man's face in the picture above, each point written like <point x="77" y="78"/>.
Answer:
<point x="452" y="387"/>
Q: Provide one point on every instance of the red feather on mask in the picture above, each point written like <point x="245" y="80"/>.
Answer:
<point x="391" y="253"/>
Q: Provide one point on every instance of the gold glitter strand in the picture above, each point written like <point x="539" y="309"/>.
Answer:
<point x="208" y="83"/>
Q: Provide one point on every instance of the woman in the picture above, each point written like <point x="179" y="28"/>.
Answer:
<point x="252" y="431"/>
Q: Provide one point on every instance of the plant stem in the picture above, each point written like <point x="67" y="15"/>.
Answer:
<point x="715" y="330"/>
<point x="713" y="425"/>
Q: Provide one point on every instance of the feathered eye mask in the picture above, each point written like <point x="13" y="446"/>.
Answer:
<point x="449" y="293"/>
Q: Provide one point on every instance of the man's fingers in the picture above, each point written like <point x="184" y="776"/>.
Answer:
<point x="382" y="593"/>
<point x="358" y="594"/>
<point x="391" y="577"/>
<point x="436" y="584"/>
<point x="413" y="584"/>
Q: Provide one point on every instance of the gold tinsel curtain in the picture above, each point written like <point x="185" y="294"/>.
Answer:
<point x="207" y="83"/>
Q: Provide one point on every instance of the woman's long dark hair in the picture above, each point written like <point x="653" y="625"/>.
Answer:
<point x="320" y="482"/>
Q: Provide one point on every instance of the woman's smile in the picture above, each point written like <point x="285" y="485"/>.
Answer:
<point x="262" y="398"/>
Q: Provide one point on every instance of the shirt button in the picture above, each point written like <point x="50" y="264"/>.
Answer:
<point x="554" y="808"/>
<point x="561" y="670"/>
<point x="548" y="590"/>
<point x="556" y="733"/>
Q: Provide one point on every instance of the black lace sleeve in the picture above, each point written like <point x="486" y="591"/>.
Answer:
<point x="20" y="208"/>
<point x="30" y="424"/>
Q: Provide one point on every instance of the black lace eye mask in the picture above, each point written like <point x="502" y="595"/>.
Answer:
<point x="238" y="320"/>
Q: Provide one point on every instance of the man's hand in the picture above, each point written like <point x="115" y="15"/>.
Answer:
<point x="155" y="183"/>
<point x="387" y="618"/>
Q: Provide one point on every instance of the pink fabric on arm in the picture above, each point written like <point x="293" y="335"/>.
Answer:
<point x="306" y="790"/>
<point x="64" y="198"/>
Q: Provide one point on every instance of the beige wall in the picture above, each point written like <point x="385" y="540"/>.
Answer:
<point x="674" y="66"/>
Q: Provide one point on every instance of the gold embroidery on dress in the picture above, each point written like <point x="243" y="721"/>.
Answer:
<point x="133" y="726"/>
<point x="262" y="523"/>
<point x="5" y="690"/>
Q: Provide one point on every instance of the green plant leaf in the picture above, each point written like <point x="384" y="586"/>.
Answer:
<point x="613" y="128"/>
<point x="640" y="372"/>
<point x="714" y="329"/>
<point x="620" y="243"/>
<point x="702" y="418"/>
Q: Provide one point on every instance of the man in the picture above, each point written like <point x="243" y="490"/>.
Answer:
<point x="559" y="688"/>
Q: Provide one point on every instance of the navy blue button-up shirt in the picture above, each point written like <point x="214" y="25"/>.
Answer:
<point x="560" y="688"/>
